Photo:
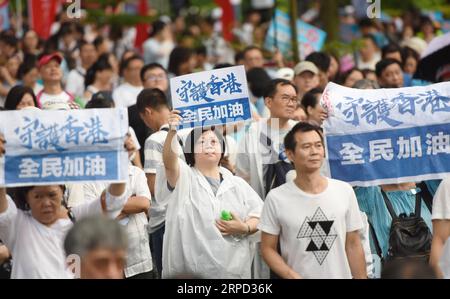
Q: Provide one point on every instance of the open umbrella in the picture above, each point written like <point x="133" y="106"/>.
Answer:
<point x="435" y="59"/>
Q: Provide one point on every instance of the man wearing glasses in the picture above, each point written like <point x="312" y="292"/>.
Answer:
<point x="152" y="75"/>
<point x="261" y="158"/>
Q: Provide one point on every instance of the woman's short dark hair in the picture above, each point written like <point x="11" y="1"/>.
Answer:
<point x="29" y="63"/>
<point x="101" y="99"/>
<point x="100" y="65"/>
<point x="157" y="27"/>
<point x="178" y="56"/>
<point x="409" y="52"/>
<point x="98" y="41"/>
<point x="16" y="94"/>
<point x="258" y="80"/>
<point x="310" y="99"/>
<point x="19" y="195"/>
<point x="289" y="141"/>
<point x="347" y="74"/>
<point x="192" y="139"/>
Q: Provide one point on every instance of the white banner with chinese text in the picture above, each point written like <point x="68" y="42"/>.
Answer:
<point x="387" y="136"/>
<point x="58" y="147"/>
<point x="211" y="98"/>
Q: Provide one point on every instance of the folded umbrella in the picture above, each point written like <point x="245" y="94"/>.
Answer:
<point x="435" y="59"/>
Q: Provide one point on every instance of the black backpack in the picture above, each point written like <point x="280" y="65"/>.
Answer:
<point x="409" y="236"/>
<point x="276" y="172"/>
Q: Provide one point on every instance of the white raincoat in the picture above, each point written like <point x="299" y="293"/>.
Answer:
<point x="192" y="242"/>
<point x="249" y="162"/>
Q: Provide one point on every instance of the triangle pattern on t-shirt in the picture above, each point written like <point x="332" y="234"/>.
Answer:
<point x="320" y="255"/>
<point x="329" y="240"/>
<point x="305" y="229"/>
<point x="326" y="226"/>
<point x="318" y="229"/>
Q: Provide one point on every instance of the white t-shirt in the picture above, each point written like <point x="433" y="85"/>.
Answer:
<point x="155" y="51"/>
<point x="313" y="227"/>
<point x="192" y="242"/>
<point x="38" y="249"/>
<point x="126" y="95"/>
<point x="48" y="100"/>
<point x="441" y="201"/>
<point x="139" y="258"/>
<point x="75" y="82"/>
<point x="37" y="88"/>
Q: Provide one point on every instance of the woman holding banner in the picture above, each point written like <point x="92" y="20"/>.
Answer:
<point x="196" y="241"/>
<point x="34" y="225"/>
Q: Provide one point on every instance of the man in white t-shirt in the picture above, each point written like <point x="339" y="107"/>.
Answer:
<point x="51" y="73"/>
<point x="153" y="108"/>
<point x="316" y="219"/>
<point x="262" y="144"/>
<point x="441" y="226"/>
<point x="125" y="95"/>
<point x="75" y="79"/>
<point x="261" y="150"/>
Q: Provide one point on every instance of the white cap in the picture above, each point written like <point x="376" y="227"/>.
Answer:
<point x="285" y="73"/>
<point x="415" y="43"/>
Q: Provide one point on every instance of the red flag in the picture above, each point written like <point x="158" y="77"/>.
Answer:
<point x="227" y="18"/>
<point x="42" y="15"/>
<point x="141" y="28"/>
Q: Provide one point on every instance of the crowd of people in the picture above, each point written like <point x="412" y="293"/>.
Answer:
<point x="289" y="218"/>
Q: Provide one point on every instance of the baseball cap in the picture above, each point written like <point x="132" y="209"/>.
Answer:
<point x="285" y="73"/>
<point x="305" y="66"/>
<point x="49" y="57"/>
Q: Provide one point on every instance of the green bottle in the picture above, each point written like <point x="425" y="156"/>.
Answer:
<point x="226" y="215"/>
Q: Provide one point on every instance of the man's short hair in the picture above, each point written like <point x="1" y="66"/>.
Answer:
<point x="320" y="59"/>
<point x="289" y="141"/>
<point x="310" y="99"/>
<point x="95" y="232"/>
<point x="151" y="97"/>
<point x="271" y="89"/>
<point x="390" y="48"/>
<point x="125" y="63"/>
<point x="151" y="66"/>
<point x="250" y="48"/>
<point x="383" y="64"/>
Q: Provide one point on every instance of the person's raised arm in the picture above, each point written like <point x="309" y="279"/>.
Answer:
<point x="170" y="157"/>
